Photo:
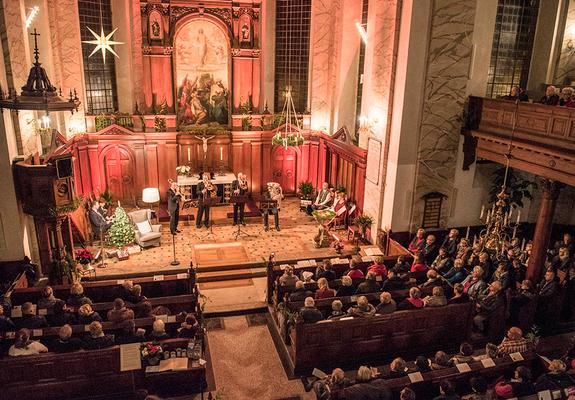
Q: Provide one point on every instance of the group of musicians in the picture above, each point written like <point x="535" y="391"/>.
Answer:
<point x="207" y="191"/>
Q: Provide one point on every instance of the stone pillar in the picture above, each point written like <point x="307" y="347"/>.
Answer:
<point x="267" y="45"/>
<point x="550" y="193"/>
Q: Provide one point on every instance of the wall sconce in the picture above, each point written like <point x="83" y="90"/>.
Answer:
<point x="45" y="122"/>
<point x="362" y="32"/>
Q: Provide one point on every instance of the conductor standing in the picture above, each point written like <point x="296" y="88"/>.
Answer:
<point x="174" y="197"/>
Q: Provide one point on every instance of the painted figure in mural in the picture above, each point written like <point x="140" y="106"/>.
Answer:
<point x="220" y="101"/>
<point x="202" y="45"/>
<point x="204" y="144"/>
<point x="197" y="109"/>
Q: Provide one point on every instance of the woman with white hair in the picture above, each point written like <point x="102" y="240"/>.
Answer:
<point x="97" y="339"/>
<point x="346" y="288"/>
<point x="474" y="285"/>
<point x="24" y="346"/>
<point x="567" y="97"/>
<point x="367" y="386"/>
<point x="158" y="331"/>
<point x="363" y="308"/>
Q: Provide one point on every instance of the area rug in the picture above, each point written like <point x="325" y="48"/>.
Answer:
<point x="226" y="284"/>
<point x="252" y="210"/>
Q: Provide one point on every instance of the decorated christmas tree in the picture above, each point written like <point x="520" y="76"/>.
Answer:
<point x="121" y="233"/>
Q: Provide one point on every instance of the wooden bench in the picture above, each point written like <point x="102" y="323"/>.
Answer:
<point x="92" y="373"/>
<point x="328" y="344"/>
<point x="103" y="291"/>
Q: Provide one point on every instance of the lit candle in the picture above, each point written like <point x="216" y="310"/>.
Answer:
<point x="523" y="244"/>
<point x="510" y="213"/>
<point x="189" y="154"/>
<point x="518" y="216"/>
<point x="467" y="234"/>
<point x="482" y="211"/>
<point x="221" y="153"/>
<point x="514" y="231"/>
<point x="488" y="217"/>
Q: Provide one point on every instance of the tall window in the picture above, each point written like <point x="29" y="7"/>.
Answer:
<point x="360" y="69"/>
<point x="512" y="45"/>
<point x="101" y="92"/>
<point x="292" y="51"/>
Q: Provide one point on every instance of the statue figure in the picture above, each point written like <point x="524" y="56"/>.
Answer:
<point x="204" y="144"/>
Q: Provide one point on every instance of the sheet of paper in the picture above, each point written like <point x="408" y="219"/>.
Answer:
<point x="42" y="311"/>
<point x="367" y="258"/>
<point x="312" y="263"/>
<point x="37" y="332"/>
<point x="130" y="358"/>
<point x="202" y="362"/>
<point x="163" y="318"/>
<point x="182" y="276"/>
<point x="557" y="394"/>
<point x="516" y="357"/>
<point x="158" y="278"/>
<point x="171" y="318"/>
<point x="318" y="373"/>
<point x="16" y="311"/>
<point x="152" y="369"/>
<point x="463" y="367"/>
<point x="545" y="395"/>
<point x="488" y="363"/>
<point x="120" y="281"/>
<point x="415" y="377"/>
<point x="174" y="364"/>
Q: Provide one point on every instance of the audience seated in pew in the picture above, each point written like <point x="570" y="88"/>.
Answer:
<point x="418" y="270"/>
<point x="555" y="378"/>
<point x="61" y="315"/>
<point x="300" y="292"/>
<point x="465" y="354"/>
<point x="386" y="304"/>
<point x="397" y="369"/>
<point x="486" y="307"/>
<point x="323" y="291"/>
<point x="309" y="313"/>
<point x="77" y="298"/>
<point x="437" y="298"/>
<point x="370" y="285"/>
<point x="520" y="384"/>
<point x="447" y="391"/>
<point x="336" y="310"/>
<point x="459" y="295"/>
<point x="29" y="319"/>
<point x="288" y="278"/>
<point x="126" y="292"/>
<point x="65" y="343"/>
<point x="422" y="364"/>
<point x="354" y="272"/>
<point x="407" y="394"/>
<point x="479" y="388"/>
<point x="442" y="263"/>
<point x="307" y="278"/>
<point x="474" y="285"/>
<point x="401" y="265"/>
<point x="47" y="300"/>
<point x="189" y="328"/>
<point x="86" y="315"/>
<point x="393" y="282"/>
<point x="363" y="308"/>
<point x="457" y="273"/>
<point x="120" y="312"/>
<point x="23" y="346"/>
<point x="367" y="386"/>
<point x="346" y="288"/>
<point x="324" y="270"/>
<point x="6" y="324"/>
<point x="97" y="339"/>
<point x="440" y="361"/>
<point x="129" y="334"/>
<point x="158" y="331"/>
<point x="413" y="301"/>
<point x="378" y="268"/>
<point x="514" y="342"/>
<point x="433" y="280"/>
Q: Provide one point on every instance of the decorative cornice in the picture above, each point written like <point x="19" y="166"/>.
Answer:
<point x="177" y="12"/>
<point x="146" y="50"/>
<point x="168" y="50"/>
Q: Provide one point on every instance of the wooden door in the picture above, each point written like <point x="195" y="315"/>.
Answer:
<point x="119" y="172"/>
<point x="284" y="168"/>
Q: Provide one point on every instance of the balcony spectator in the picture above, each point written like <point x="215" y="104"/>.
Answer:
<point x="551" y="97"/>
<point x="323" y="291"/>
<point x="487" y="307"/>
<point x="418" y="242"/>
<point x="370" y="285"/>
<point x="363" y="308"/>
<point x="430" y="250"/>
<point x="502" y="275"/>
<point x="23" y="346"/>
<point x="433" y="280"/>
<point x="567" y="97"/>
<point x="459" y="296"/>
<point x="386" y="304"/>
<point x="474" y="285"/>
<point x="519" y="299"/>
<point x="516" y="93"/>
<point x="457" y="273"/>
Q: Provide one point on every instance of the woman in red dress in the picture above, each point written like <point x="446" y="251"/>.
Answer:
<point x="339" y="207"/>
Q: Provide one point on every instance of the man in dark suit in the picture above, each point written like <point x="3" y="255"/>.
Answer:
<point x="97" y="220"/>
<point x="204" y="193"/>
<point x="450" y="243"/>
<point x="309" y="313"/>
<point x="430" y="250"/>
<point x="489" y="305"/>
<point x="239" y="188"/>
<point x="300" y="293"/>
<point x="174" y="197"/>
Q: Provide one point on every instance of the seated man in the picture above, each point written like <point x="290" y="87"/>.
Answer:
<point x="120" y="312"/>
<point x="437" y="298"/>
<point x="514" y="342"/>
<point x="459" y="296"/>
<point x="336" y="310"/>
<point x="65" y="342"/>
<point x="190" y="327"/>
<point x="486" y="307"/>
<point x="309" y="313"/>
<point x="97" y="339"/>
<point x="29" y="318"/>
<point x="23" y="346"/>
<point x="323" y="199"/>
<point x="393" y="281"/>
<point x="387" y="304"/>
<point x="551" y="97"/>
<point x="370" y="285"/>
<point x="300" y="292"/>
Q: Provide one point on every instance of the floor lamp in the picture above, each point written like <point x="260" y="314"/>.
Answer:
<point x="151" y="196"/>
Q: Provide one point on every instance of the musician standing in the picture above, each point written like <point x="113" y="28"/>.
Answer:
<point x="206" y="190"/>
<point x="174" y="196"/>
<point x="240" y="188"/>
<point x="274" y="193"/>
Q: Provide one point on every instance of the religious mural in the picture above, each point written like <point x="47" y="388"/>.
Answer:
<point x="202" y="74"/>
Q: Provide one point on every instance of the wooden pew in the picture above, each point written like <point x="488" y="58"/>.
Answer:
<point x="85" y="374"/>
<point x="349" y="341"/>
<point x="103" y="291"/>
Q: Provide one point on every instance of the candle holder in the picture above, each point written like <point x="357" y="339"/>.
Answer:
<point x="221" y="169"/>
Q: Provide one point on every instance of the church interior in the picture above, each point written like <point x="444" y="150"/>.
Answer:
<point x="287" y="199"/>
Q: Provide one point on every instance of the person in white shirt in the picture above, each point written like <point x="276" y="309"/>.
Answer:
<point x="24" y="346"/>
<point x="323" y="200"/>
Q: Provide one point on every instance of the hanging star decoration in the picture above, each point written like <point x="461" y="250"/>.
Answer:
<point x="103" y="42"/>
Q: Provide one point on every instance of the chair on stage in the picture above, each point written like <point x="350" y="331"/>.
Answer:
<point x="146" y="234"/>
<point x="352" y="229"/>
<point x="340" y="218"/>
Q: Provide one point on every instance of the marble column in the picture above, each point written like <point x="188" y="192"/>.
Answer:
<point x="67" y="59"/>
<point x="267" y="44"/>
<point x="549" y="196"/>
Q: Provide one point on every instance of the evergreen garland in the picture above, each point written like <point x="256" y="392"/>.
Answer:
<point x="121" y="233"/>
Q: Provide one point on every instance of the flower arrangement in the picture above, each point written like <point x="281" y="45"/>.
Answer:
<point x="184" y="170"/>
<point x="152" y="353"/>
<point x="84" y="256"/>
<point x="338" y="246"/>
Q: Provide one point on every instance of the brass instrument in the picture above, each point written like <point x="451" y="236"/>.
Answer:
<point x="244" y="184"/>
<point x="211" y="188"/>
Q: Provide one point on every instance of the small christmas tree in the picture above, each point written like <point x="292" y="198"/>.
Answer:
<point x="121" y="233"/>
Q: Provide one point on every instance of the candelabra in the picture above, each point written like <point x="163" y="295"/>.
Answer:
<point x="499" y="225"/>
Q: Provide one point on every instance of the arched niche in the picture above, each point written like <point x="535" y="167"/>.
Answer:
<point x="155" y="26"/>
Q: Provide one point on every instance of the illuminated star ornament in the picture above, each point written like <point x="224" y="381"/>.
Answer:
<point x="103" y="42"/>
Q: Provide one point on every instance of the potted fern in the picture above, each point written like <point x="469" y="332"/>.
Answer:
<point x="363" y="222"/>
<point x="305" y="190"/>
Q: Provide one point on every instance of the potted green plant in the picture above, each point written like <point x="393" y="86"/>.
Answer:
<point x="106" y="195"/>
<point x="63" y="270"/>
<point x="305" y="190"/>
<point x="363" y="222"/>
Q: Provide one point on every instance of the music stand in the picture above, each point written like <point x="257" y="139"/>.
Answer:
<point x="209" y="201"/>
<point x="240" y="198"/>
<point x="103" y="264"/>
<point x="266" y="205"/>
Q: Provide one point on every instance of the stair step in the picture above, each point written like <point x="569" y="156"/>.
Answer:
<point x="226" y="275"/>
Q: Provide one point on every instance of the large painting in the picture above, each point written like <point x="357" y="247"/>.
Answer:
<point x="202" y="74"/>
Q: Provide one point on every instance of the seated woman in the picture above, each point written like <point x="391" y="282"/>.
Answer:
<point x="413" y="302"/>
<point x="65" y="342"/>
<point x="437" y="298"/>
<point x="86" y="315"/>
<point x="346" y="288"/>
<point x="457" y="273"/>
<point x="97" y="339"/>
<point x="458" y="295"/>
<point x="363" y="308"/>
<point x="339" y="207"/>
<point x="336" y="310"/>
<point x="324" y="291"/>
<point x="23" y="346"/>
<point x="120" y="312"/>
<point x="555" y="378"/>
<point x="77" y="297"/>
<point x="354" y="272"/>
<point x="158" y="331"/>
<point x="367" y="386"/>
<point x="378" y="268"/>
<point x="520" y="385"/>
<point x="386" y="304"/>
<point x="397" y="369"/>
<point x="440" y="361"/>
<point x="418" y="242"/>
<point x="418" y="270"/>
